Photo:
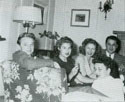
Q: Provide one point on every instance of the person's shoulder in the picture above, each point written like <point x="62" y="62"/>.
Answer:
<point x="119" y="57"/>
<point x="56" y="58"/>
<point x="118" y="79"/>
<point x="115" y="80"/>
<point x="70" y="59"/>
<point x="103" y="51"/>
<point x="105" y="79"/>
<point x="19" y="54"/>
<point x="80" y="57"/>
<point x="118" y="82"/>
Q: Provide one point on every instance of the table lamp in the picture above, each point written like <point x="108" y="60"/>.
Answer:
<point x="28" y="16"/>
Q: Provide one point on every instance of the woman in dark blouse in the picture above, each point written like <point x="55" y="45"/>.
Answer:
<point x="64" y="48"/>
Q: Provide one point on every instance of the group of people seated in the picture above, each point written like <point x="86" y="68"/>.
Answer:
<point x="94" y="67"/>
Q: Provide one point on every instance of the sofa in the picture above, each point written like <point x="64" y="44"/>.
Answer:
<point x="44" y="84"/>
<point x="40" y="85"/>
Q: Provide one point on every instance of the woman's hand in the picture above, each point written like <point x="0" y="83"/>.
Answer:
<point x="93" y="75"/>
<point x="83" y="79"/>
<point x="75" y="70"/>
<point x="56" y="65"/>
<point x="122" y="68"/>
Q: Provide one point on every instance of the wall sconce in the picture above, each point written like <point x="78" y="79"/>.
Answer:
<point x="28" y="16"/>
<point x="2" y="39"/>
<point x="107" y="6"/>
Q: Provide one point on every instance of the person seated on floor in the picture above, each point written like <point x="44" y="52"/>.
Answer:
<point x="106" y="82"/>
<point x="89" y="49"/>
<point x="24" y="57"/>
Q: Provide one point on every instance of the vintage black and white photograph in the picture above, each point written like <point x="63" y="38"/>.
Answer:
<point x="62" y="50"/>
<point x="80" y="17"/>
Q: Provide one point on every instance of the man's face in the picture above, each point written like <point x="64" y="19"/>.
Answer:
<point x="111" y="46"/>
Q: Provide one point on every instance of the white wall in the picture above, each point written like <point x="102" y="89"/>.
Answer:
<point x="7" y="28"/>
<point x="99" y="27"/>
<point x="51" y="15"/>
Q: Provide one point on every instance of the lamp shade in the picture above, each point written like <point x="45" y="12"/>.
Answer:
<point x="27" y="14"/>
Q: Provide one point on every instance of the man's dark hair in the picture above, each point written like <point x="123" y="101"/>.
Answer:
<point x="118" y="42"/>
<point x="112" y="38"/>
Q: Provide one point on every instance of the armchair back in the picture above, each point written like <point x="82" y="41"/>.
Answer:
<point x="40" y="85"/>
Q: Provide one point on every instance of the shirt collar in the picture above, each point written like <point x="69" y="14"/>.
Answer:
<point x="108" y="55"/>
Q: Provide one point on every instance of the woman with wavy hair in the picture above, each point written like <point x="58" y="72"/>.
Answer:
<point x="64" y="48"/>
<point x="89" y="49"/>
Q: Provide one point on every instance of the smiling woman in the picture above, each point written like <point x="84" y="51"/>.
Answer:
<point x="89" y="50"/>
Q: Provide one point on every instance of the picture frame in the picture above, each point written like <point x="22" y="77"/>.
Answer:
<point x="80" y="17"/>
<point x="42" y="13"/>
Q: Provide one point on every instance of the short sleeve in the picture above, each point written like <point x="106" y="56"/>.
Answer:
<point x="81" y="62"/>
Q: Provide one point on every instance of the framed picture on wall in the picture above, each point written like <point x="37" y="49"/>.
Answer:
<point x="80" y="17"/>
<point x="42" y="13"/>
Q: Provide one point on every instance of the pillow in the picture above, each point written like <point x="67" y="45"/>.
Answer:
<point x="42" y="84"/>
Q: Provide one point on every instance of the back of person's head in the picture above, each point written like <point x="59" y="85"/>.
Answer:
<point x="109" y="63"/>
<point x="90" y="41"/>
<point x="30" y="35"/>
